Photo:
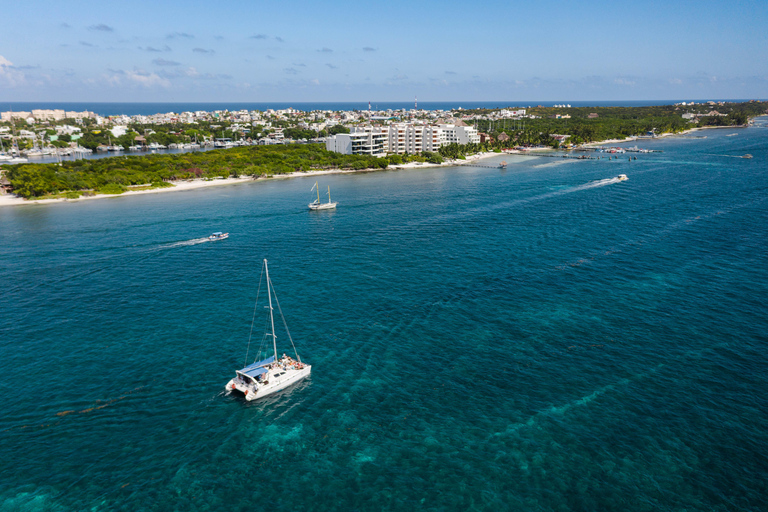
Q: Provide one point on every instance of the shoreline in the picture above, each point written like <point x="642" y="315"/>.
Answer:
<point x="13" y="200"/>
<point x="663" y="135"/>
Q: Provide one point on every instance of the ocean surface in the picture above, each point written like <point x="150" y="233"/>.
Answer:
<point x="131" y="109"/>
<point x="542" y="338"/>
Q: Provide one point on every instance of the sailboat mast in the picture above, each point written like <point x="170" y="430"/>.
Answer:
<point x="318" y="192"/>
<point x="271" y="316"/>
<point x="329" y="193"/>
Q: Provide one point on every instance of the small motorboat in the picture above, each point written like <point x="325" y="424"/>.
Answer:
<point x="622" y="177"/>
<point x="218" y="236"/>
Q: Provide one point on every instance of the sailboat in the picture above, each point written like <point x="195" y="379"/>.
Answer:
<point x="317" y="205"/>
<point x="267" y="376"/>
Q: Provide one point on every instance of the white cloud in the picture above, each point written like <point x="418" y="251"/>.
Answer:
<point x="8" y="75"/>
<point x="147" y="79"/>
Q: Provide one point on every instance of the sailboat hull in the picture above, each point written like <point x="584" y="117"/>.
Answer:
<point x="278" y="380"/>
<point x="322" y="206"/>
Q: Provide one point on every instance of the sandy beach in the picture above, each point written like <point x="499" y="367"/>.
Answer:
<point x="12" y="200"/>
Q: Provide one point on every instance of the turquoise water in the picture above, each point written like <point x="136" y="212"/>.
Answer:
<point x="535" y="338"/>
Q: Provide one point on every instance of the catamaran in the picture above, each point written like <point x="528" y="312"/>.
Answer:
<point x="317" y="205"/>
<point x="267" y="376"/>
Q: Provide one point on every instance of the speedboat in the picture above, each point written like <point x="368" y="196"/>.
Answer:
<point x="622" y="177"/>
<point x="218" y="236"/>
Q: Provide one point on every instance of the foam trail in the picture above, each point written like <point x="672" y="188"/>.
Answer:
<point x="184" y="243"/>
<point x="508" y="204"/>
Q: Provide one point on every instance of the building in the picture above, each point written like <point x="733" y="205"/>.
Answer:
<point x="7" y="116"/>
<point x="401" y="138"/>
<point x="48" y="115"/>
<point x="416" y="138"/>
<point x="362" y="140"/>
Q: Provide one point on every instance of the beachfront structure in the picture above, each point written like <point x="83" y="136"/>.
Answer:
<point x="362" y="140"/>
<point x="400" y="138"/>
<point x="417" y="138"/>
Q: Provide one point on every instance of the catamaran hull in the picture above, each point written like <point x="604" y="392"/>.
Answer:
<point x="276" y="384"/>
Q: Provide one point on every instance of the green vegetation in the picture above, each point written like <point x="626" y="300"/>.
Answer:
<point x="611" y="122"/>
<point x="114" y="175"/>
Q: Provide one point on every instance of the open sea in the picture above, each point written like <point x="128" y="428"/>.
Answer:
<point x="538" y="338"/>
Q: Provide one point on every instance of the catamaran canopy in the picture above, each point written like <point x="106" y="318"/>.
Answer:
<point x="257" y="368"/>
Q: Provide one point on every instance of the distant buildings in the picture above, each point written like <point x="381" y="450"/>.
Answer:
<point x="45" y="115"/>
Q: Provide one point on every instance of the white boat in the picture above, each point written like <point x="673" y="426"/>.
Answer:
<point x="218" y="236"/>
<point x="267" y="376"/>
<point x="622" y="177"/>
<point x="317" y="205"/>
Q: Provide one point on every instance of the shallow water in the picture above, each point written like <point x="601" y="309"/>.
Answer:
<point x="542" y="337"/>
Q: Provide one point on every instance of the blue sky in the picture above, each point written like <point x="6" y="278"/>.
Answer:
<point x="382" y="51"/>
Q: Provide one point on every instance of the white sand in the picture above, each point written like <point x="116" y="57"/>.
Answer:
<point x="12" y="200"/>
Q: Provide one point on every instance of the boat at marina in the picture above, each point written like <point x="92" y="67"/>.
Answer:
<point x="622" y="177"/>
<point x="317" y="205"/>
<point x="218" y="236"/>
<point x="267" y="376"/>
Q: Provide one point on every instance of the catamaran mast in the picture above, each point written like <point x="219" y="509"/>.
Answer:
<point x="271" y="316"/>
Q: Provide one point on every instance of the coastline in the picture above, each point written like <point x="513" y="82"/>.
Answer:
<point x="12" y="200"/>
<point x="663" y="135"/>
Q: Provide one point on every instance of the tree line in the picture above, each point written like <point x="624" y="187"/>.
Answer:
<point x="115" y="174"/>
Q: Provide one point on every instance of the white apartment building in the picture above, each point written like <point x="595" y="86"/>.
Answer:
<point x="362" y="140"/>
<point x="400" y="138"/>
<point x="48" y="115"/>
<point x="7" y="116"/>
<point x="416" y="138"/>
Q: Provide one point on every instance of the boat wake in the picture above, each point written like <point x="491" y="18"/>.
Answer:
<point x="185" y="243"/>
<point x="509" y="204"/>
<point x="598" y="183"/>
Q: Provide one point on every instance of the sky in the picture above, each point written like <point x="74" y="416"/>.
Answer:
<point x="259" y="51"/>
